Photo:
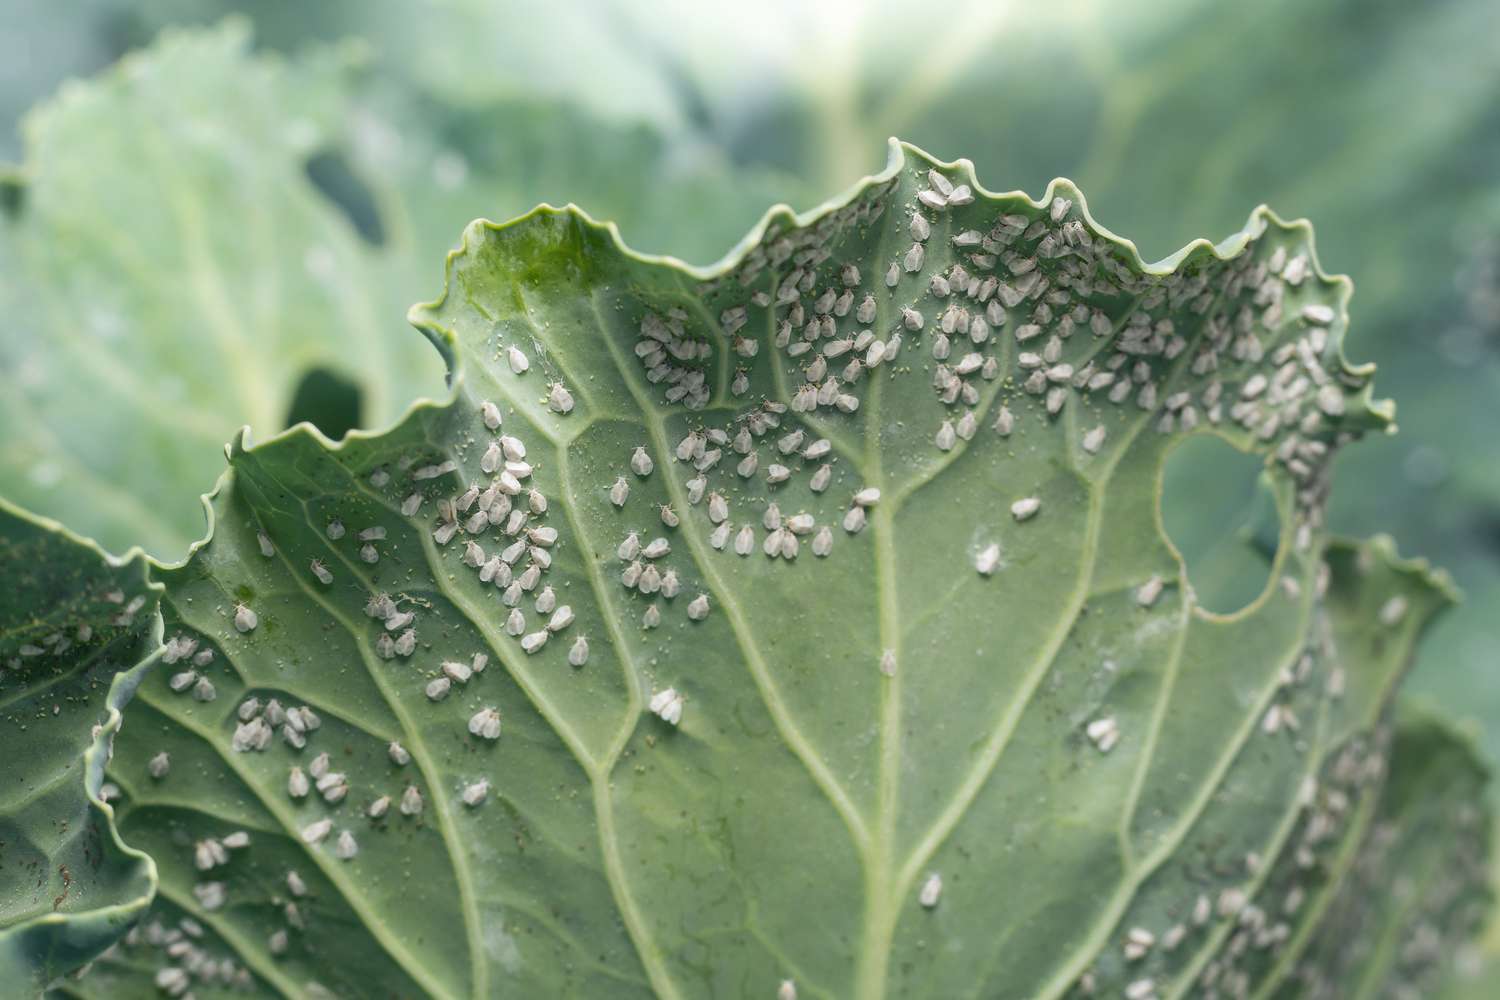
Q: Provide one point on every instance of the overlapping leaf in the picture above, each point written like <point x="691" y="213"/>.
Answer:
<point x="171" y="267"/>
<point x="78" y="632"/>
<point x="652" y="650"/>
<point x="1414" y="892"/>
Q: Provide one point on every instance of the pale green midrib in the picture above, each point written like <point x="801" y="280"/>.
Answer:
<point x="65" y="773"/>
<point x="503" y="647"/>
<point x="768" y="689"/>
<point x="969" y="788"/>
<point x="1376" y="973"/>
<point x="1153" y="734"/>
<point x="882" y="905"/>
<point x="1292" y="949"/>
<point x="82" y="666"/>
<point x="1316" y="755"/>
<point x="266" y="969"/>
<point x="417" y="747"/>
<point x="392" y="947"/>
<point x="596" y="773"/>
<point x="138" y="798"/>
<point x="599" y="773"/>
<point x="479" y="968"/>
<point x="770" y="696"/>
<point x="257" y="400"/>
<point x="810" y="418"/>
<point x="581" y="387"/>
<point x="1174" y="663"/>
<point x="722" y="358"/>
<point x="1128" y="884"/>
<point x="1147" y="865"/>
<point x="613" y="866"/>
<point x="618" y="640"/>
<point x="1011" y="716"/>
<point x="1311" y="916"/>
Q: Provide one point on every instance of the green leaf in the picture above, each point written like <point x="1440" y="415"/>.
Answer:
<point x="1415" y="891"/>
<point x="1071" y="744"/>
<point x="1176" y="118"/>
<point x="78" y="632"/>
<point x="181" y="253"/>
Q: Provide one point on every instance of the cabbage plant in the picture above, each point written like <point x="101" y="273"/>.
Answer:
<point x="800" y="626"/>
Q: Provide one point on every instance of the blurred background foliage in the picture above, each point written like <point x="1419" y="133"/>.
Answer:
<point x="683" y="121"/>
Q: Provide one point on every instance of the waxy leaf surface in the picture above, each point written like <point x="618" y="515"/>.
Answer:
<point x="936" y="742"/>
<point x="78" y="632"/>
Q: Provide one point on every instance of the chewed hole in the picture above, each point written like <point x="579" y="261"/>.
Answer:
<point x="12" y="195"/>
<point x="329" y="401"/>
<point x="1219" y="512"/>
<point x="331" y="174"/>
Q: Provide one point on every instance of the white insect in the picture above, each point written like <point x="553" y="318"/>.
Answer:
<point x="475" y="793"/>
<point x="398" y="754"/>
<point x="379" y="807"/>
<point x="946" y="437"/>
<point x="245" y="619"/>
<point x="159" y="765"/>
<point x="1138" y="942"/>
<point x="297" y="785"/>
<point x="346" y="847"/>
<point x="411" y="801"/>
<point x="988" y="559"/>
<point x="534" y="641"/>
<point x="1318" y="313"/>
<point x="931" y="891"/>
<point x="1104" y="733"/>
<point x="335" y="529"/>
<point x="485" y="723"/>
<point x="578" y="654"/>
<point x="640" y="462"/>
<point x="561" y="619"/>
<point x="324" y="575"/>
<point x="490" y="413"/>
<point x="266" y="548"/>
<point x="619" y="492"/>
<point x="1093" y="439"/>
<point x="697" y="608"/>
<point x="822" y="543"/>
<point x="854" y="520"/>
<point x="518" y="362"/>
<point x="667" y="705"/>
<point x="1147" y="593"/>
<point x="1392" y="611"/>
<point x="315" y="831"/>
<point x="1025" y="508"/>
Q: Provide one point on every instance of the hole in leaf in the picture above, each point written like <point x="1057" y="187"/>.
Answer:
<point x="327" y="400"/>
<point x="12" y="195"/>
<point x="331" y="174"/>
<point x="1220" y="513"/>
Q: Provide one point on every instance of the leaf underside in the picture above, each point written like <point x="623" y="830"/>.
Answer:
<point x="78" y="631"/>
<point x="925" y="744"/>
